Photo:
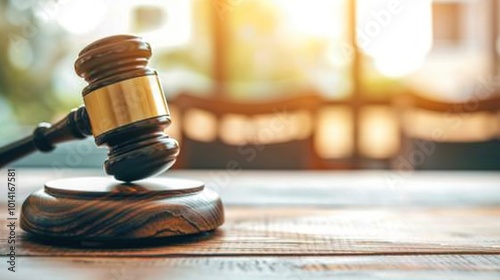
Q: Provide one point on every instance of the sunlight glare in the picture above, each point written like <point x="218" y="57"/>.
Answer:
<point x="316" y="18"/>
<point x="176" y="29"/>
<point x="397" y="34"/>
<point x="81" y="16"/>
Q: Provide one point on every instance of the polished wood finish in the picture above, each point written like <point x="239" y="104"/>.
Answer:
<point x="141" y="148"/>
<point x="102" y="209"/>
<point x="113" y="59"/>
<point x="302" y="225"/>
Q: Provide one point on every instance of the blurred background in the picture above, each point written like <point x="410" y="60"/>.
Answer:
<point x="276" y="84"/>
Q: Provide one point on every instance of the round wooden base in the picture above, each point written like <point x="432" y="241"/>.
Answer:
<point x="102" y="209"/>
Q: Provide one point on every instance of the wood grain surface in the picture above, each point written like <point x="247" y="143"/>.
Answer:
<point x="456" y="267"/>
<point x="292" y="231"/>
<point x="303" y="225"/>
<point x="106" y="210"/>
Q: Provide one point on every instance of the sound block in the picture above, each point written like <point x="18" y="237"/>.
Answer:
<point x="103" y="209"/>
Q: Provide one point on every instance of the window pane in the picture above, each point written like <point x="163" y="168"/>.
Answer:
<point x="440" y="48"/>
<point x="461" y="54"/>
<point x="282" y="46"/>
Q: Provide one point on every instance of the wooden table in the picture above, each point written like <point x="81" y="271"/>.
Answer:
<point x="299" y="225"/>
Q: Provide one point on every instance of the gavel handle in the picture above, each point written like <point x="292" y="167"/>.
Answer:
<point x="75" y="125"/>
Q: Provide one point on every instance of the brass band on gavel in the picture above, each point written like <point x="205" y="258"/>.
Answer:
<point x="125" y="102"/>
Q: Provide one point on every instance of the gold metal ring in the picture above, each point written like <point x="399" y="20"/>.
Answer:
<point x="125" y="102"/>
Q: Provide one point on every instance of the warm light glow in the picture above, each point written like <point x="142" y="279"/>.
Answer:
<point x="265" y="134"/>
<point x="176" y="26"/>
<point x="379" y="137"/>
<point x="301" y="124"/>
<point x="397" y="34"/>
<point x="334" y="132"/>
<point x="447" y="127"/>
<point x="81" y="16"/>
<point x="317" y="18"/>
<point x="200" y="125"/>
<point x="265" y="128"/>
<point x="235" y="129"/>
<point x="174" y="129"/>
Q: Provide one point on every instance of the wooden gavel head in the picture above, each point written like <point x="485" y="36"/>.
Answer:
<point x="126" y="107"/>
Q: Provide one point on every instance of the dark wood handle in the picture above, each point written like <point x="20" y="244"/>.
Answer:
<point x="75" y="125"/>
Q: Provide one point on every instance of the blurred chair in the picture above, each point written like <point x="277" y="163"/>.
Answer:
<point x="221" y="134"/>
<point x="439" y="135"/>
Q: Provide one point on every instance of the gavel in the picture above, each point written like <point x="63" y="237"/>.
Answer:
<point x="124" y="109"/>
